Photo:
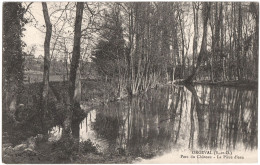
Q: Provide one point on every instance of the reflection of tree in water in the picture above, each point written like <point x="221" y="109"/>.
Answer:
<point x="145" y="126"/>
<point x="161" y="116"/>
<point x="226" y="117"/>
<point x="180" y="117"/>
<point x="107" y="125"/>
<point x="200" y="115"/>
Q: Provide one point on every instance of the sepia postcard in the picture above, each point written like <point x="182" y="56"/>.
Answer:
<point x="130" y="82"/>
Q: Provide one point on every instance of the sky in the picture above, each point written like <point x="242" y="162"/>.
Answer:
<point x="35" y="30"/>
<point x="33" y="36"/>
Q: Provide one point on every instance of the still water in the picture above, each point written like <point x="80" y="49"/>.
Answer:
<point x="174" y="118"/>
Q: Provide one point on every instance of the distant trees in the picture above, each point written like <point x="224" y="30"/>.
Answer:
<point x="231" y="42"/>
<point x="13" y="26"/>
<point x="109" y="54"/>
<point x="148" y="45"/>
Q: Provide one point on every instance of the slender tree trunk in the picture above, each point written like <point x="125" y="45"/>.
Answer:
<point x="239" y="48"/>
<point x="183" y="44"/>
<point x="231" y="43"/>
<point x="46" y="72"/>
<point x="255" y="12"/>
<point x="223" y="41"/>
<point x="175" y="46"/>
<point x="256" y="45"/>
<point x="216" y="44"/>
<point x="195" y="39"/>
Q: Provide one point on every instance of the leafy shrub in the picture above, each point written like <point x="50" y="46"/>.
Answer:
<point x="88" y="147"/>
<point x="69" y="148"/>
<point x="66" y="148"/>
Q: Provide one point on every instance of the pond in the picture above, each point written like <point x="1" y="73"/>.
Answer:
<point x="171" y="120"/>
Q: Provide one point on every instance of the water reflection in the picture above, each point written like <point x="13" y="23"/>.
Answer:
<point x="173" y="118"/>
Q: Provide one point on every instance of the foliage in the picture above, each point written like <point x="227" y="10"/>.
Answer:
<point x="88" y="147"/>
<point x="13" y="23"/>
<point x="109" y="51"/>
<point x="66" y="148"/>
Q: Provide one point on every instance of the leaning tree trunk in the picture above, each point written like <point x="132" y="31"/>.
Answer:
<point x="73" y="101"/>
<point x="46" y="72"/>
<point x="203" y="49"/>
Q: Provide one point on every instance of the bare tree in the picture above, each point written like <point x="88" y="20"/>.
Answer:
<point x="46" y="72"/>
<point x="73" y="94"/>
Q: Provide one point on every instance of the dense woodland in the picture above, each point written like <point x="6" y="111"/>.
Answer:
<point x="131" y="46"/>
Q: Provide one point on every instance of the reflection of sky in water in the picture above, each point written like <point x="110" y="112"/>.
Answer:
<point x="86" y="132"/>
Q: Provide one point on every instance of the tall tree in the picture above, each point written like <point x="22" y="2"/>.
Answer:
<point x="254" y="9"/>
<point x="195" y="6"/>
<point x="72" y="102"/>
<point x="175" y="46"/>
<point x="13" y="22"/>
<point x="239" y="42"/>
<point x="203" y="49"/>
<point x="46" y="72"/>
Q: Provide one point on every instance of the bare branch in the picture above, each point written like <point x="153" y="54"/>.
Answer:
<point x="28" y="7"/>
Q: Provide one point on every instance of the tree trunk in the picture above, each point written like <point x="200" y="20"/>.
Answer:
<point x="72" y="101"/>
<point x="77" y="91"/>
<point x="46" y="72"/>
<point x="195" y="39"/>
<point x="183" y="45"/>
<point x="223" y="41"/>
<point x="175" y="57"/>
<point x="239" y="48"/>
<point x="203" y="49"/>
<point x="254" y="7"/>
<point x="256" y="45"/>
